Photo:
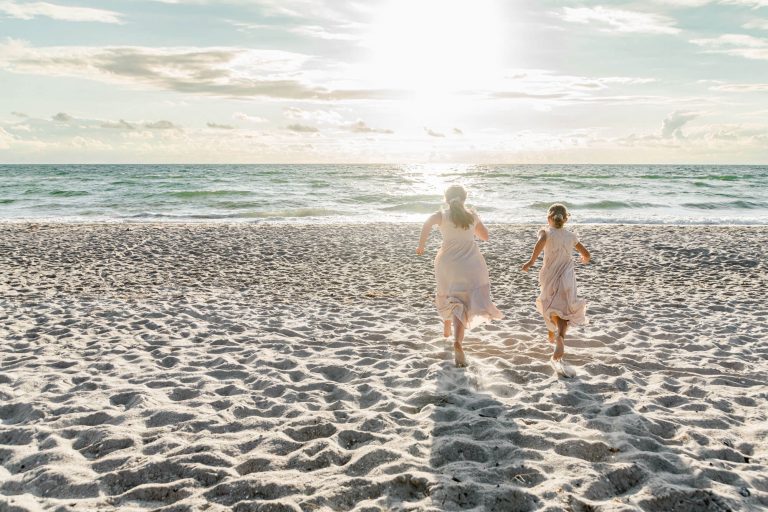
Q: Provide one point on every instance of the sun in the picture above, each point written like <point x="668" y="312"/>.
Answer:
<point x="436" y="47"/>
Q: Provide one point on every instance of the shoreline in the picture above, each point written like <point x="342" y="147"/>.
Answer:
<point x="298" y="223"/>
<point x="180" y="366"/>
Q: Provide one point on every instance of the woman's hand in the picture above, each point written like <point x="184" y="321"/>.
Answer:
<point x="526" y="266"/>
<point x="420" y="250"/>
<point x="585" y="258"/>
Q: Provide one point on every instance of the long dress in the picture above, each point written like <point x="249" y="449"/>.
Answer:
<point x="463" y="288"/>
<point x="557" y="279"/>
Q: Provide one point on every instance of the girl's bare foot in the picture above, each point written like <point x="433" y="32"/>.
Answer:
<point x="551" y="336"/>
<point x="447" y="328"/>
<point x="458" y="355"/>
<point x="559" y="348"/>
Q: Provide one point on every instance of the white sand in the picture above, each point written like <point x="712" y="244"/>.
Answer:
<point x="194" y="367"/>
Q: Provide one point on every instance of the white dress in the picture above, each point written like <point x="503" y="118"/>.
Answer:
<point x="558" y="280"/>
<point x="463" y="287"/>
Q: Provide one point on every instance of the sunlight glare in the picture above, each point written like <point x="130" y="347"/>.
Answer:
<point x="436" y="46"/>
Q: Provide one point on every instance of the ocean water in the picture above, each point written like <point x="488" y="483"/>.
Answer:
<point x="382" y="193"/>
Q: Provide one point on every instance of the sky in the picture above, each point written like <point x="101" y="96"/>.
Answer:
<point x="384" y="81"/>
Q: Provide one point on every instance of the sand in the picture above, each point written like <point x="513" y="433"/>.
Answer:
<point x="286" y="368"/>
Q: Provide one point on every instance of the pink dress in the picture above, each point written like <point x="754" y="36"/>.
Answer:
<point x="463" y="287"/>
<point x="558" y="280"/>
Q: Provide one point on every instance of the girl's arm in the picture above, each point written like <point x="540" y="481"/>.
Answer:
<point x="536" y="251"/>
<point x="481" y="231"/>
<point x="432" y="221"/>
<point x="585" y="256"/>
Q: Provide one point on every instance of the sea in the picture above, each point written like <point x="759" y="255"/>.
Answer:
<point x="644" y="194"/>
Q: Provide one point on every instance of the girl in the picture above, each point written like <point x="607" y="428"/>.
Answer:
<point x="463" y="295"/>
<point x="558" y="302"/>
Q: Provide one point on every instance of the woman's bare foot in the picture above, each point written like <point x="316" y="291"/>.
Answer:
<point x="559" y="348"/>
<point x="447" y="328"/>
<point x="551" y="336"/>
<point x="458" y="355"/>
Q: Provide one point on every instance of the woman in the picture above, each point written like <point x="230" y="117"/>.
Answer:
<point x="463" y="295"/>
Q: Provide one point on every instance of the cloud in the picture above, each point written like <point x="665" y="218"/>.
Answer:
<point x="672" y="125"/>
<point x="19" y="114"/>
<point x="738" y="45"/>
<point x="747" y="3"/>
<point x="161" y="125"/>
<point x="542" y="86"/>
<point x="318" y="32"/>
<point x="62" y="117"/>
<point x="217" y="126"/>
<point x="217" y="71"/>
<point x="456" y="131"/>
<point x="754" y="4"/>
<point x="619" y="20"/>
<point x="362" y="127"/>
<point x="740" y="87"/>
<point x="433" y="133"/>
<point x="318" y="115"/>
<point x="528" y="95"/>
<point x="30" y="10"/>
<point x="5" y="138"/>
<point x="240" y="116"/>
<point x="119" y="125"/>
<point x="302" y="128"/>
<point x="756" y="24"/>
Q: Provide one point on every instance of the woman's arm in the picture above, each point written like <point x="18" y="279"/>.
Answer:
<point x="432" y="221"/>
<point x="536" y="251"/>
<point x="481" y="231"/>
<point x="585" y="256"/>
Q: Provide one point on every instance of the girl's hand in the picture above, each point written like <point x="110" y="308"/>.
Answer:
<point x="420" y="250"/>
<point x="585" y="258"/>
<point x="526" y="266"/>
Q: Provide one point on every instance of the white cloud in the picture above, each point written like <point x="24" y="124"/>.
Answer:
<point x="433" y="133"/>
<point x="758" y="24"/>
<point x="546" y="84"/>
<point x="89" y="144"/>
<point x="682" y="3"/>
<point x="217" y="126"/>
<point x="700" y="3"/>
<point x="738" y="45"/>
<point x="62" y="117"/>
<point x="318" y="32"/>
<point x="161" y="125"/>
<point x="317" y="116"/>
<point x="747" y="3"/>
<point x="5" y="138"/>
<point x="240" y="116"/>
<point x="217" y="71"/>
<point x="30" y="10"/>
<point x="302" y="128"/>
<point x="741" y="87"/>
<point x="362" y="127"/>
<point x="672" y="125"/>
<point x="119" y="125"/>
<point x="619" y="20"/>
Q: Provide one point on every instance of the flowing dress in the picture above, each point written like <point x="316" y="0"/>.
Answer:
<point x="557" y="279"/>
<point x="463" y="288"/>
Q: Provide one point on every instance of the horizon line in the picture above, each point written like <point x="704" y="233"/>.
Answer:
<point x="385" y="163"/>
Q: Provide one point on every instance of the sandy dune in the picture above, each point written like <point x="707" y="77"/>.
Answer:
<point x="286" y="368"/>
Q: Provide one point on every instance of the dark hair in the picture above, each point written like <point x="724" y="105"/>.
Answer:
<point x="455" y="195"/>
<point x="559" y="215"/>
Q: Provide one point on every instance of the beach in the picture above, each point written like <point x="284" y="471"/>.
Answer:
<point x="269" y="367"/>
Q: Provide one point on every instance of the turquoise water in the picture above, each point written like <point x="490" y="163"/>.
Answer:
<point x="382" y="193"/>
